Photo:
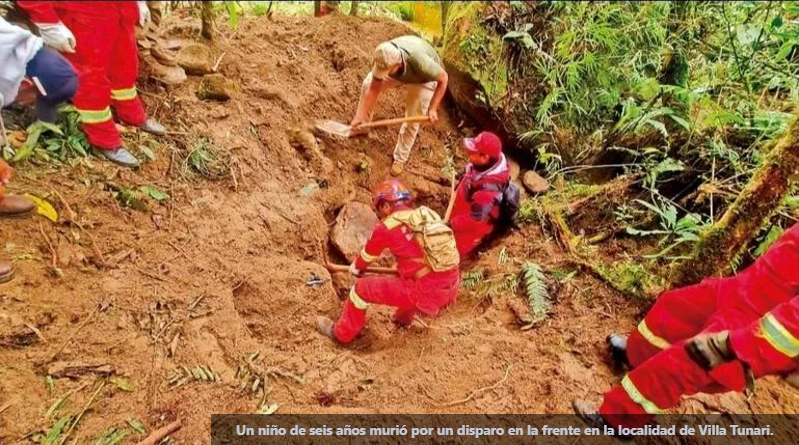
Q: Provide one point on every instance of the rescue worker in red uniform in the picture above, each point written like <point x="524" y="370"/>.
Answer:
<point x="479" y="194"/>
<point x="416" y="288"/>
<point x="99" y="38"/>
<point x="712" y="337"/>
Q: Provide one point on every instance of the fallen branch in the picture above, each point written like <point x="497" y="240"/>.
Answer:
<point x="36" y="331"/>
<point x="157" y="435"/>
<point x="53" y="254"/>
<point x="479" y="390"/>
<point x="218" y="62"/>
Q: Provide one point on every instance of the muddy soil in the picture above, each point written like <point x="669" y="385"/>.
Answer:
<point x="226" y="268"/>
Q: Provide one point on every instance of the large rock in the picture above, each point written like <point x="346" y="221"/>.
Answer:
<point x="216" y="87"/>
<point x="534" y="183"/>
<point x="197" y="59"/>
<point x="353" y="227"/>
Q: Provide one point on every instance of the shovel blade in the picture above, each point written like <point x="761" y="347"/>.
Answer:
<point x="334" y="128"/>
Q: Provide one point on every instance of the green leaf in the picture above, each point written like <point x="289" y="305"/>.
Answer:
<point x="136" y="425"/>
<point x="785" y="50"/>
<point x="56" y="406"/>
<point x="55" y="432"/>
<point x="776" y="22"/>
<point x="154" y="192"/>
<point x="148" y="153"/>
<point x="266" y="409"/>
<point x="771" y="237"/>
<point x="526" y="38"/>
<point x="121" y="383"/>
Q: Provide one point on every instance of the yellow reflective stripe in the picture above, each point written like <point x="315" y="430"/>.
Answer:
<point x="778" y="337"/>
<point x="125" y="94"/>
<point x="392" y="221"/>
<point x="652" y="338"/>
<point x="638" y="398"/>
<point x="357" y="300"/>
<point x="366" y="257"/>
<point x="94" y="116"/>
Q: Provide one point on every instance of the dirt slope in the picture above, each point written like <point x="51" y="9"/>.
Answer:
<point x="224" y="266"/>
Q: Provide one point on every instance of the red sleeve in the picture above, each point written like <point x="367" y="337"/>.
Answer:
<point x="40" y="12"/>
<point x="377" y="243"/>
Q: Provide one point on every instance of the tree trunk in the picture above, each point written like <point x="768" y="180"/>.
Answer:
<point x="719" y="246"/>
<point x="317" y="8"/>
<point x="207" y="17"/>
<point x="354" y="8"/>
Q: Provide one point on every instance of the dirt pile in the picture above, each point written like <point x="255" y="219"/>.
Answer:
<point x="229" y="267"/>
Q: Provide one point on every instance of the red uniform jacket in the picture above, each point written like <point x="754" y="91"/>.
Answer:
<point x="50" y="11"/>
<point x="476" y="210"/>
<point x="396" y="237"/>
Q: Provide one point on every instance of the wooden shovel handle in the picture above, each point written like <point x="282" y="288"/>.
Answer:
<point x="397" y="120"/>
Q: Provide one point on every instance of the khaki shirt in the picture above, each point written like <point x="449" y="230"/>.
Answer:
<point x="421" y="63"/>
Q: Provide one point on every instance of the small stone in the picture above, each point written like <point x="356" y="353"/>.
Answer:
<point x="353" y="228"/>
<point x="534" y="183"/>
<point x="216" y="87"/>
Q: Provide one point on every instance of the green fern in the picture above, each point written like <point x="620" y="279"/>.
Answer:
<point x="537" y="293"/>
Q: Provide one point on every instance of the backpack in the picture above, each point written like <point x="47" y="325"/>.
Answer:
<point x="434" y="237"/>
<point x="509" y="203"/>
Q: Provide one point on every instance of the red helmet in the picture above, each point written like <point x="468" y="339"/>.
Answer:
<point x="390" y="190"/>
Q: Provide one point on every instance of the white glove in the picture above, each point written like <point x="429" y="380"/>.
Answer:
<point x="58" y="36"/>
<point x="354" y="270"/>
<point x="144" y="14"/>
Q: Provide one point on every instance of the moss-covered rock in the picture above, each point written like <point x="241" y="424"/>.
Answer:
<point x="473" y="55"/>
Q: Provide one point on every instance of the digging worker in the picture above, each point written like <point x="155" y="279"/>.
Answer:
<point x="427" y="265"/>
<point x="479" y="196"/>
<point x="31" y="71"/>
<point x="713" y="337"/>
<point x="99" y="38"/>
<point x="409" y="61"/>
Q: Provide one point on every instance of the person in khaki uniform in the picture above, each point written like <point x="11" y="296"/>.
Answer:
<point x="409" y="61"/>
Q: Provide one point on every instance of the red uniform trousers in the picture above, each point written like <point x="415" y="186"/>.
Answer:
<point x="107" y="62"/>
<point x="426" y="295"/>
<point x="759" y="307"/>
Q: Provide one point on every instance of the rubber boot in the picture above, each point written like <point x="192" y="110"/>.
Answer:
<point x="120" y="156"/>
<point x="6" y="271"/>
<point x="588" y="412"/>
<point x="15" y="206"/>
<point x="325" y="326"/>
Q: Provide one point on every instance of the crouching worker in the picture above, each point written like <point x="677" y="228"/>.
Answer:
<point x="427" y="265"/>
<point x="485" y="198"/>
<point x="713" y="337"/>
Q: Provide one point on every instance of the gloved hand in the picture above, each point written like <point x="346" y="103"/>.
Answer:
<point x="144" y="13"/>
<point x="354" y="270"/>
<point x="710" y="350"/>
<point x="58" y="36"/>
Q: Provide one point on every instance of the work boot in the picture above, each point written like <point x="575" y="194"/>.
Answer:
<point x="397" y="168"/>
<point x="152" y="126"/>
<point x="6" y="271"/>
<point x="15" y="206"/>
<point x="617" y="346"/>
<point x="325" y="327"/>
<point x="588" y="412"/>
<point x="120" y="156"/>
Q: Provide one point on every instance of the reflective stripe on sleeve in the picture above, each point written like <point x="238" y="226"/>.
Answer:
<point x="779" y="337"/>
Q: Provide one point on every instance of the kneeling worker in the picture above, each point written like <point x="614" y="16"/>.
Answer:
<point x="427" y="265"/>
<point x="712" y="337"/>
<point x="480" y="196"/>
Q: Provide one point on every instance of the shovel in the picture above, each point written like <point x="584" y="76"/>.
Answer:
<point x="344" y="130"/>
<point x="344" y="268"/>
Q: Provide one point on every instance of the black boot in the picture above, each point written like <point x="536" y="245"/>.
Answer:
<point x="617" y="346"/>
<point x="589" y="413"/>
